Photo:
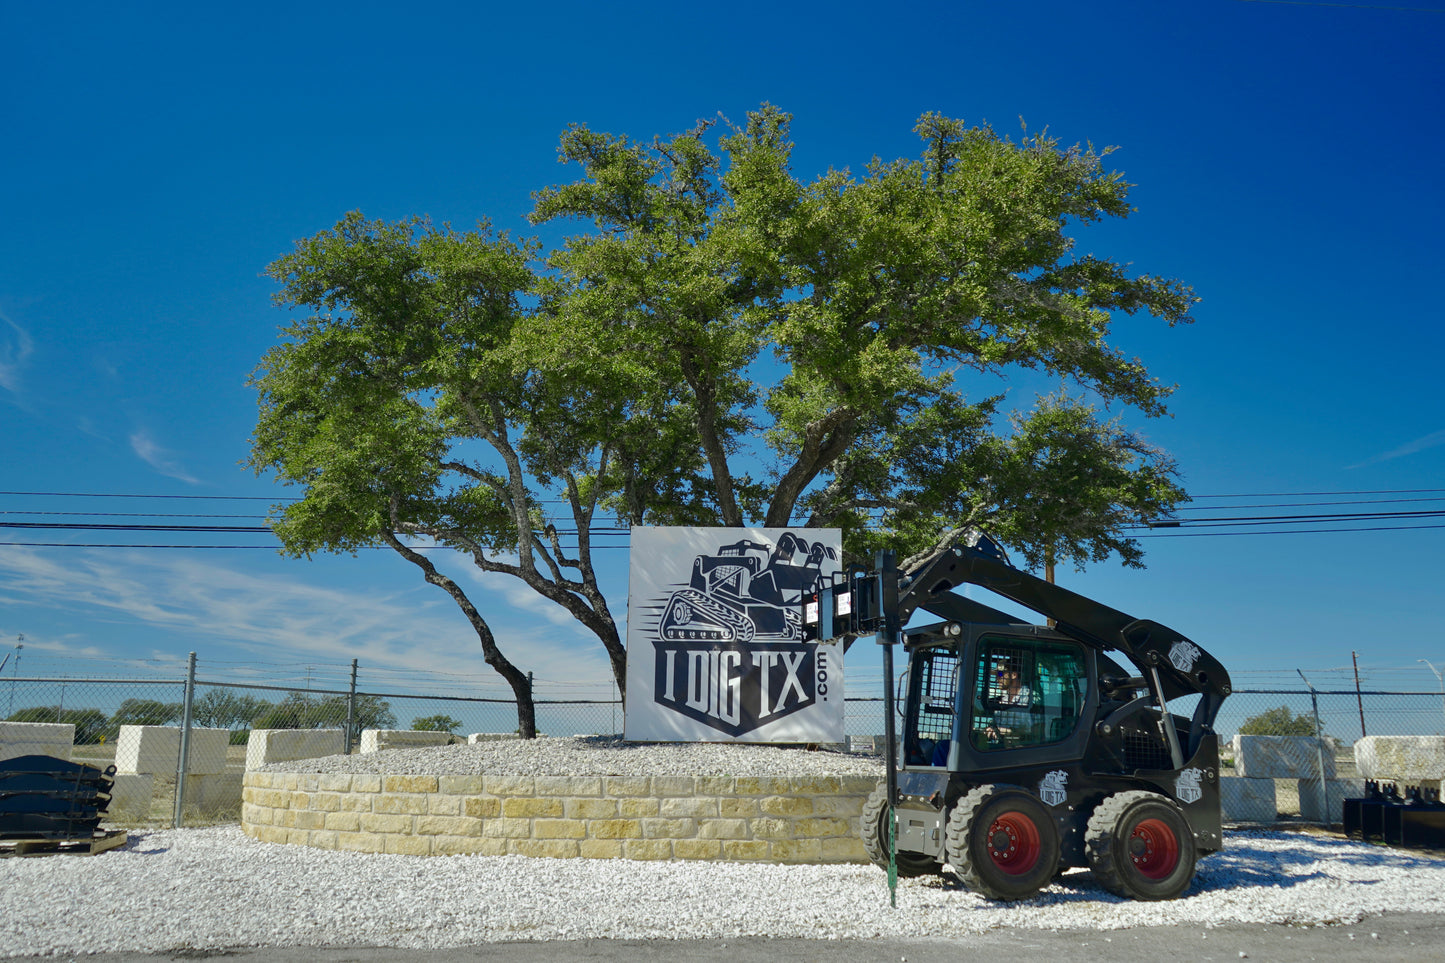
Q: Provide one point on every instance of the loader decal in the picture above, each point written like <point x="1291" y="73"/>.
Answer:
<point x="1188" y="787"/>
<point x="1054" y="788"/>
<point x="1183" y="655"/>
<point x="722" y="644"/>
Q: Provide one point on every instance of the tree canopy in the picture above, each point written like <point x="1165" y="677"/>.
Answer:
<point x="720" y="342"/>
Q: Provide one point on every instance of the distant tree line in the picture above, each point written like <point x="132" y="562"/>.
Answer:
<point x="217" y="709"/>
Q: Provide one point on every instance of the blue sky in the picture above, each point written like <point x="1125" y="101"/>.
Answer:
<point x="158" y="156"/>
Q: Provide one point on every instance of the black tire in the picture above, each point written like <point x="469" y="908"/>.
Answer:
<point x="873" y="828"/>
<point x="1140" y="846"/>
<point x="1002" y="843"/>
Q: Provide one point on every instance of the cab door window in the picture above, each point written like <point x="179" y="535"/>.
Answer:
<point x="934" y="691"/>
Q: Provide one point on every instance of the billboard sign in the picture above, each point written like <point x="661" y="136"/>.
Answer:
<point x="715" y="649"/>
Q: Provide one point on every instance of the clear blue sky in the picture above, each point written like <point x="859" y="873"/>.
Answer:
<point x="157" y="156"/>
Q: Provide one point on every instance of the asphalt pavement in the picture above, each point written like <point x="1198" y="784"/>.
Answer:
<point x="1402" y="936"/>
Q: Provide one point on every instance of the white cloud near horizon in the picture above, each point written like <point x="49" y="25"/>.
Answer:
<point x="15" y="348"/>
<point x="278" y="616"/>
<point x="163" y="461"/>
<point x="1432" y="440"/>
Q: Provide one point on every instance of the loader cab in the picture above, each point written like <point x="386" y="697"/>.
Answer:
<point x="989" y="697"/>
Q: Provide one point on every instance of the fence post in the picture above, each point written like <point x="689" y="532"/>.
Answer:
<point x="1319" y="751"/>
<point x="183" y="763"/>
<point x="351" y="710"/>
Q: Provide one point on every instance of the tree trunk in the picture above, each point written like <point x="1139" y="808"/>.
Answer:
<point x="520" y="682"/>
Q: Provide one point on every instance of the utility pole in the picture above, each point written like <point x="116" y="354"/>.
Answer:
<point x="19" y="644"/>
<point x="1440" y="677"/>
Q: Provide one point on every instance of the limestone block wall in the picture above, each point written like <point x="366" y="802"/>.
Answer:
<point x="734" y="818"/>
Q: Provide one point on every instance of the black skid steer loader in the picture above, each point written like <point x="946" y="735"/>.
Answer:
<point x="1027" y="749"/>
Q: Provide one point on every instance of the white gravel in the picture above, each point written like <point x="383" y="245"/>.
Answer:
<point x="205" y="889"/>
<point x="597" y="756"/>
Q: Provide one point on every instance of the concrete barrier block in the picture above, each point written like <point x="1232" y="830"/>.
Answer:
<point x="130" y="797"/>
<point x="863" y="744"/>
<point x="477" y="737"/>
<point x="36" y="739"/>
<point x="213" y="792"/>
<point x="148" y="749"/>
<point x="375" y="740"/>
<point x="207" y="753"/>
<point x="1282" y="757"/>
<point x="1247" y="800"/>
<point x="1330" y="807"/>
<point x="283" y="745"/>
<point x="1403" y="759"/>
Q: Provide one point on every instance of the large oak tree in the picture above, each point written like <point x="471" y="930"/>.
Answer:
<point x="720" y="342"/>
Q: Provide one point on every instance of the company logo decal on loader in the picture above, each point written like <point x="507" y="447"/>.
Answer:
<point x="1188" y="787"/>
<point x="1184" y="655"/>
<point x="1053" y="790"/>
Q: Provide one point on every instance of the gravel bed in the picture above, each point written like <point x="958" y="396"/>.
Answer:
<point x="197" y="890"/>
<point x="206" y="889"/>
<point x="596" y="756"/>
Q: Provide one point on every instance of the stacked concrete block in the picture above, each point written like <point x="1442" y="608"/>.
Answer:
<point x="1282" y="757"/>
<point x="130" y="797"/>
<point x="153" y="749"/>
<point x="209" y="793"/>
<point x="36" y="739"/>
<point x="157" y="749"/>
<point x="283" y="745"/>
<point x="375" y="740"/>
<point x="1407" y="760"/>
<point x="1328" y="807"/>
<point x="1247" y="799"/>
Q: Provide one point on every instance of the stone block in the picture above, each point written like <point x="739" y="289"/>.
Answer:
<point x="1282" y="757"/>
<point x="477" y="737"/>
<point x="1247" y="800"/>
<point x="375" y="740"/>
<point x="283" y="745"/>
<point x="1408" y="760"/>
<point x="130" y="797"/>
<point x="206" y="754"/>
<point x="213" y="791"/>
<point x="36" y="739"/>
<point x="153" y="749"/>
<point x="1329" y="807"/>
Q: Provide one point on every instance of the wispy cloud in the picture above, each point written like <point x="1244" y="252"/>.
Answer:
<point x="162" y="460"/>
<point x="16" y="346"/>
<point x="278" y="616"/>
<point x="1432" y="440"/>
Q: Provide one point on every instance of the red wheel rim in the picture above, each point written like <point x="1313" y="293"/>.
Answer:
<point x="1154" y="848"/>
<point x="1013" y="843"/>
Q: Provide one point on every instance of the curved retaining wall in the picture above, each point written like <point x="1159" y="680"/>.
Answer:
<point x="736" y="818"/>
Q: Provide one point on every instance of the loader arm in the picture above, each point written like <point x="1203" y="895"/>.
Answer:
<point x="1183" y="666"/>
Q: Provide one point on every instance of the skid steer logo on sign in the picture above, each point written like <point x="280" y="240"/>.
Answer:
<point x="1189" y="788"/>
<point x="715" y="637"/>
<point x="1055" y="788"/>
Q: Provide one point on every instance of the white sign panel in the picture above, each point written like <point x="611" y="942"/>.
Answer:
<point x="715" y="649"/>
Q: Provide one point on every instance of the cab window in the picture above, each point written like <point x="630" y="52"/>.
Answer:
<point x="1026" y="693"/>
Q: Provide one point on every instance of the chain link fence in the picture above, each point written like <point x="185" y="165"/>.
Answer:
<point x="136" y="725"/>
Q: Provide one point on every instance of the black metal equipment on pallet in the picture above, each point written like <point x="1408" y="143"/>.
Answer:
<point x="53" y="805"/>
<point x="1416" y="820"/>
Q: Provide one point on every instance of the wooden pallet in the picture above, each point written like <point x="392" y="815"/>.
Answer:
<point x="99" y="843"/>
